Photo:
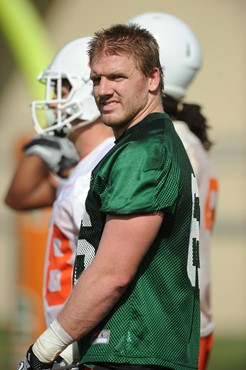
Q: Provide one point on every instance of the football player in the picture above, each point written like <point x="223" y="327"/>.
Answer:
<point x="135" y="302"/>
<point x="71" y="145"/>
<point x="181" y="59"/>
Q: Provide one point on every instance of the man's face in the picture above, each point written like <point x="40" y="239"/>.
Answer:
<point x="120" y="89"/>
<point x="59" y="98"/>
<point x="62" y="95"/>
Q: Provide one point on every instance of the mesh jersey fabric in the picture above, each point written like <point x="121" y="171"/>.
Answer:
<point x="156" y="321"/>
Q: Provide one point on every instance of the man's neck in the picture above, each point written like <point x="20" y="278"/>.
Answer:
<point x="155" y="106"/>
<point x="90" y="137"/>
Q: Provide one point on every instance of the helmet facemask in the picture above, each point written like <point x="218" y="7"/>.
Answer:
<point x="56" y="114"/>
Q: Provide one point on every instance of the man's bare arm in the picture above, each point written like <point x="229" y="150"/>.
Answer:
<point x="32" y="186"/>
<point x="124" y="243"/>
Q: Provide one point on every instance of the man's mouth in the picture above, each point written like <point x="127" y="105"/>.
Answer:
<point x="107" y="106"/>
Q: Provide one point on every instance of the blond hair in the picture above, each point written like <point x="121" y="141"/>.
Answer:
<point x="130" y="40"/>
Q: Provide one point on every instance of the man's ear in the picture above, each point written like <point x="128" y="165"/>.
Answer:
<point x="154" y="80"/>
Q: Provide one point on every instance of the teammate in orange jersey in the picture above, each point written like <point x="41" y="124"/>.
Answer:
<point x="181" y="58"/>
<point x="71" y="145"/>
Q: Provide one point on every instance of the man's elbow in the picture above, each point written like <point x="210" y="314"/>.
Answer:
<point x="119" y="283"/>
<point x="13" y="203"/>
<point x="19" y="202"/>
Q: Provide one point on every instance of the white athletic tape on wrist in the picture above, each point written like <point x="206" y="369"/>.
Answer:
<point x="52" y="342"/>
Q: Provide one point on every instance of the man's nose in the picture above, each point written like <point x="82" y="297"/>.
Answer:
<point x="105" y="87"/>
<point x="52" y="104"/>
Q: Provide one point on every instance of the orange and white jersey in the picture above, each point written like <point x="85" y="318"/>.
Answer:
<point x="64" y="229"/>
<point x="208" y="188"/>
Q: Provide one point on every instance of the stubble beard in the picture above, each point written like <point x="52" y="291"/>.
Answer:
<point x="122" y="120"/>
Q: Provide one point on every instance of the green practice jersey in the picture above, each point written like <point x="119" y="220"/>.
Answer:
<point x="156" y="321"/>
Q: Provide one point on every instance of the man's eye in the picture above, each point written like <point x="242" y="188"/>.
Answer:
<point x="95" y="81"/>
<point x="118" y="78"/>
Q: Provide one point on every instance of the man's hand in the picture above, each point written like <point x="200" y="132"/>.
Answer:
<point x="57" y="153"/>
<point x="31" y="362"/>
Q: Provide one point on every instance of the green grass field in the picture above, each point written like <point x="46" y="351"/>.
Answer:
<point x="227" y="354"/>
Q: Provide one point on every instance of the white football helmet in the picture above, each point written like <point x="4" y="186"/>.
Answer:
<point x="180" y="50"/>
<point x="71" y="63"/>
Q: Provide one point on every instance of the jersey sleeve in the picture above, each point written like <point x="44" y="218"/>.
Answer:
<point x="143" y="179"/>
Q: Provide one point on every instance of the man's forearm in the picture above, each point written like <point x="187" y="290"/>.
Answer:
<point x="91" y="300"/>
<point x="124" y="242"/>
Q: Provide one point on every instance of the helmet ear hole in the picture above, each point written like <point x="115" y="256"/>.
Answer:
<point x="70" y="69"/>
<point x="188" y="53"/>
<point x="180" y="50"/>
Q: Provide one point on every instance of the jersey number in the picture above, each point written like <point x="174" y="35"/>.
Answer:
<point x="211" y="204"/>
<point x="85" y="250"/>
<point x="193" y="253"/>
<point x="60" y="268"/>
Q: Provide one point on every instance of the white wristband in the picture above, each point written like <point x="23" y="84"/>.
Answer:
<point x="52" y="342"/>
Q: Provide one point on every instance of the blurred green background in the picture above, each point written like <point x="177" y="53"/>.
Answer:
<point x="31" y="31"/>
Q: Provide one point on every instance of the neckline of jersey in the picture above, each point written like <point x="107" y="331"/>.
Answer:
<point x="149" y="118"/>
